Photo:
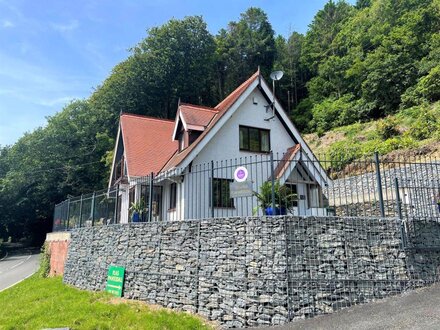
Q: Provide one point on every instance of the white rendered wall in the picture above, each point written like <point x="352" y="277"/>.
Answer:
<point x="224" y="150"/>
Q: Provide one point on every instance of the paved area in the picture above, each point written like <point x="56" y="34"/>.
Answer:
<point x="16" y="266"/>
<point x="417" y="309"/>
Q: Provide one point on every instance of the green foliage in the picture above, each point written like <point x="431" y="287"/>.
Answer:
<point x="383" y="53"/>
<point x="302" y="114"/>
<point x="426" y="90"/>
<point x="137" y="207"/>
<point x="44" y="269"/>
<point x="387" y="128"/>
<point x="283" y="195"/>
<point x="384" y="147"/>
<point x="342" y="153"/>
<point x="333" y="112"/>
<point x="425" y="125"/>
<point x="243" y="47"/>
<point x="48" y="303"/>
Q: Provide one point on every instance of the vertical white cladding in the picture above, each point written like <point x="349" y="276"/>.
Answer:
<point x="124" y="193"/>
<point x="224" y="150"/>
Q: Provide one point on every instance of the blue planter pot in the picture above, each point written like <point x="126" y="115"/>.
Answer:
<point x="135" y="217"/>
<point x="278" y="211"/>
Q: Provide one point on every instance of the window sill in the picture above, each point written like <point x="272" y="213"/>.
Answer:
<point x="255" y="152"/>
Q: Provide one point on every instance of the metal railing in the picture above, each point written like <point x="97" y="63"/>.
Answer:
<point x="275" y="184"/>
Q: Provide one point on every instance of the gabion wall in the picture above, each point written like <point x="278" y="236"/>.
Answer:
<point x="253" y="271"/>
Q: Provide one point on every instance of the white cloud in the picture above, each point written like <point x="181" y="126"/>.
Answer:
<point x="56" y="101"/>
<point x="72" y="25"/>
<point x="7" y="24"/>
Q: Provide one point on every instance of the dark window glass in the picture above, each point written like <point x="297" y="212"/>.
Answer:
<point x="244" y="138"/>
<point x="221" y="193"/>
<point x="265" y="141"/>
<point x="254" y="139"/>
<point x="193" y="135"/>
<point x="173" y="193"/>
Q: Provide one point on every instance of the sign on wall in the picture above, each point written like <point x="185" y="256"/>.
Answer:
<point x="240" y="174"/>
<point x="240" y="187"/>
<point x="115" y="280"/>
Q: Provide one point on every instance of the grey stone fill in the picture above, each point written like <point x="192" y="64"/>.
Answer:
<point x="243" y="272"/>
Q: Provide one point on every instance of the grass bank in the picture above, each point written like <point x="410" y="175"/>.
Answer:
<point x="38" y="303"/>
<point x="410" y="132"/>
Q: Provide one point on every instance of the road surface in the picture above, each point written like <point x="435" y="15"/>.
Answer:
<point x="414" y="310"/>
<point x="16" y="266"/>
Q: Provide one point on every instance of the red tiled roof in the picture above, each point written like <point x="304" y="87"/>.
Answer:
<point x="147" y="143"/>
<point x="285" y="162"/>
<point x="197" y="115"/>
<point x="222" y="108"/>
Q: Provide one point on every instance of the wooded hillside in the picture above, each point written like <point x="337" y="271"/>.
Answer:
<point x="354" y="64"/>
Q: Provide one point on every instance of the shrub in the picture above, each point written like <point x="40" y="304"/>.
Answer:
<point x="44" y="269"/>
<point x="425" y="125"/>
<point x="387" y="128"/>
<point x="343" y="153"/>
<point x="384" y="147"/>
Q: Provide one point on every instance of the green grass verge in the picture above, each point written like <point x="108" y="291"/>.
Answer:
<point x="38" y="303"/>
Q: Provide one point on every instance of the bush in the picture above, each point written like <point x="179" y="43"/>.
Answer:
<point x="333" y="112"/>
<point x="384" y="147"/>
<point x="425" y="126"/>
<point x="387" y="128"/>
<point x="343" y="153"/>
<point x="44" y="269"/>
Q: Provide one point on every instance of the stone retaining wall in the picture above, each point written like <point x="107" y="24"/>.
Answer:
<point x="251" y="271"/>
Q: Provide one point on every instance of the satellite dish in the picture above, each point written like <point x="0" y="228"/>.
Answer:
<point x="276" y="75"/>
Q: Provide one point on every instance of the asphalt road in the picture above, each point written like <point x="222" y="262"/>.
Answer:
<point x="417" y="309"/>
<point x="16" y="266"/>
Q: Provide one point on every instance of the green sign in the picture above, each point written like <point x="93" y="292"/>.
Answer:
<point x="115" y="280"/>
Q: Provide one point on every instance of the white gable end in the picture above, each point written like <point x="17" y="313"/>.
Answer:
<point x="251" y="112"/>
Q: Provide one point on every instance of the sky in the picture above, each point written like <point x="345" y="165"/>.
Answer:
<point x="55" y="51"/>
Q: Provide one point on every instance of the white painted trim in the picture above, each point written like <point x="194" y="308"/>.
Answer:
<point x="196" y="127"/>
<point x="114" y="154"/>
<point x="176" y="123"/>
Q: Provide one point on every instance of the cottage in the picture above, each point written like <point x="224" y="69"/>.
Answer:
<point x="194" y="157"/>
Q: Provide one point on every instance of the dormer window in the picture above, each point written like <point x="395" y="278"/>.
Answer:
<point x="191" y="121"/>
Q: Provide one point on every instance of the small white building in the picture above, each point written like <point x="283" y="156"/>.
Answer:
<point x="193" y="158"/>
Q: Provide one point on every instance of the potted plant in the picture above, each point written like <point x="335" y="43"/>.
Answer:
<point x="284" y="198"/>
<point x="136" y="211"/>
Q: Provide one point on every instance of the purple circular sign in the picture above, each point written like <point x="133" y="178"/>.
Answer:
<point x="240" y="174"/>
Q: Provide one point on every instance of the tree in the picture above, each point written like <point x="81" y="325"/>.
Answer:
<point x="178" y="60"/>
<point x="245" y="46"/>
<point x="318" y="42"/>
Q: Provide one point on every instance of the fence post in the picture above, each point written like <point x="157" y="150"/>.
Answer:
<point x="150" y="198"/>
<point x="93" y="208"/>
<point x="379" y="184"/>
<point x="68" y="213"/>
<point x="80" y="211"/>
<point x="212" y="189"/>
<point x="272" y="172"/>
<point x="54" y="217"/>
<point x="399" y="213"/>
<point x="398" y="200"/>
<point x="116" y="205"/>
